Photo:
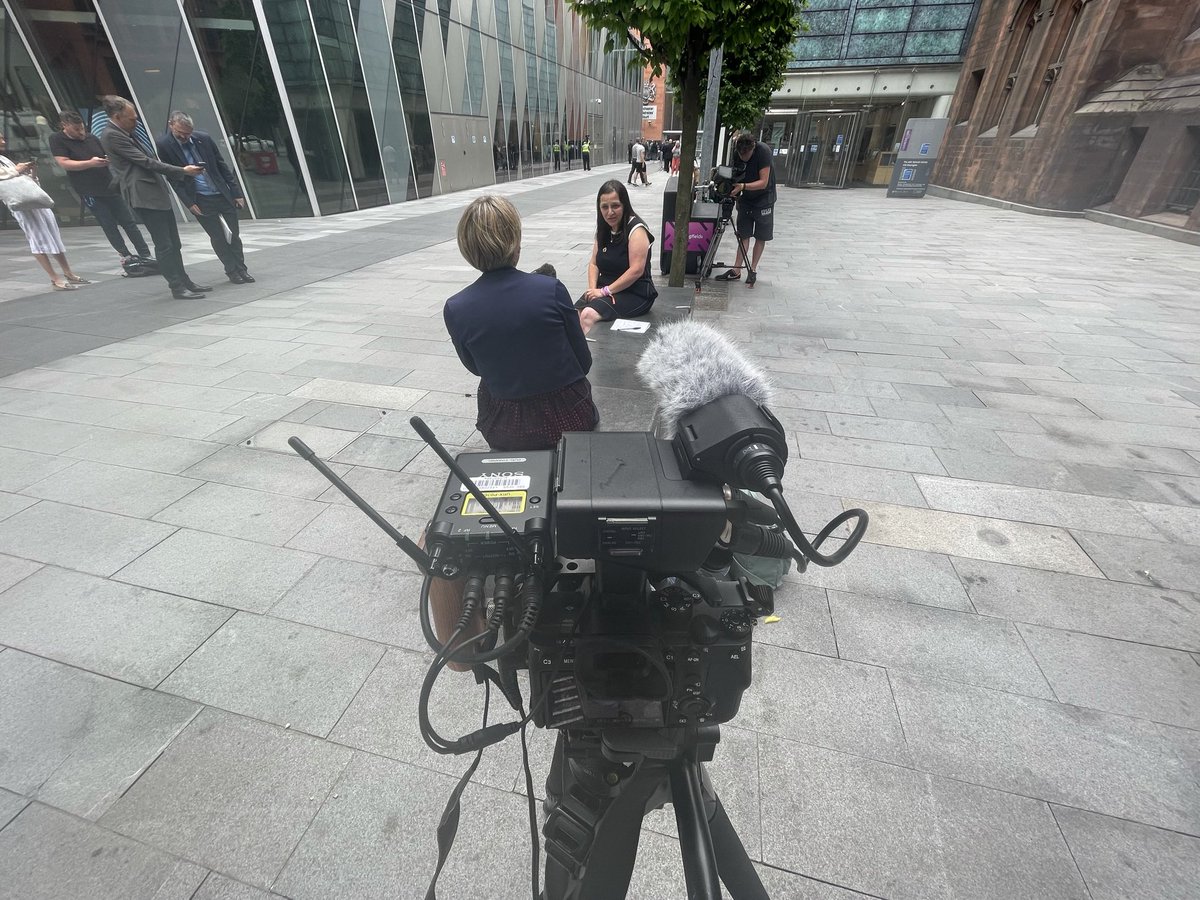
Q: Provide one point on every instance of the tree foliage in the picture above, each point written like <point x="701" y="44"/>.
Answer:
<point x="678" y="35"/>
<point x="752" y="73"/>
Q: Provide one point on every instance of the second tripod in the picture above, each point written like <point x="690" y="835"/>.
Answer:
<point x="724" y="220"/>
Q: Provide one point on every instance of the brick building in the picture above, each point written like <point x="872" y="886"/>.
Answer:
<point x="1081" y="104"/>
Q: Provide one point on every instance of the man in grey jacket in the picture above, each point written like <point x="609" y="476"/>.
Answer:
<point x="140" y="178"/>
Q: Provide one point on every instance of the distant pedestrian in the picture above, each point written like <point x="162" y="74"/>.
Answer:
<point x="639" y="164"/>
<point x="40" y="228"/>
<point x="214" y="196"/>
<point x="83" y="159"/>
<point x="585" y="151"/>
<point x="557" y="151"/>
<point x="141" y="181"/>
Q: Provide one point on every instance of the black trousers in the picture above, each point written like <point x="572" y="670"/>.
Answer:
<point x="215" y="209"/>
<point x="112" y="214"/>
<point x="167" y="248"/>
<point x="587" y="162"/>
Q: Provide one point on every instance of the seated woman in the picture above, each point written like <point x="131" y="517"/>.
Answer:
<point x="619" y="282"/>
<point x="519" y="333"/>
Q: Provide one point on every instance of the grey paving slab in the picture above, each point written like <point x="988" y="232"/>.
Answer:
<point x="893" y="573"/>
<point x="874" y="454"/>
<point x="218" y="569"/>
<point x="1141" y="562"/>
<point x="344" y="532"/>
<point x="1122" y="860"/>
<point x="839" y="479"/>
<point x="49" y="855"/>
<point x="843" y="705"/>
<point x="11" y="504"/>
<point x="955" y="645"/>
<point x="325" y="442"/>
<point x="372" y="602"/>
<point x="278" y="671"/>
<point x="101" y="737"/>
<point x="232" y="794"/>
<point x="113" y="629"/>
<point x="86" y="410"/>
<point x="1006" y="468"/>
<point x="376" y="839"/>
<point x="1094" y="452"/>
<point x="895" y="832"/>
<point x="977" y="537"/>
<point x="1137" y="486"/>
<point x="803" y="621"/>
<point x="156" y="452"/>
<point x="382" y="720"/>
<point x="238" y="512"/>
<point x="1180" y="524"/>
<point x="382" y="396"/>
<point x="1118" y="676"/>
<point x="1089" y="605"/>
<point x="1111" y="764"/>
<point x="45" y="435"/>
<point x="378" y="451"/>
<point x="263" y="470"/>
<point x="20" y="468"/>
<point x="343" y="416"/>
<point x="83" y="539"/>
<point x="218" y="887"/>
<point x="385" y="489"/>
<point x="175" y="421"/>
<point x="115" y="489"/>
<point x="12" y="570"/>
<point x="1042" y="507"/>
<point x="10" y="805"/>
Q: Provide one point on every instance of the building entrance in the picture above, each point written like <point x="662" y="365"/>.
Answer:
<point x="822" y="148"/>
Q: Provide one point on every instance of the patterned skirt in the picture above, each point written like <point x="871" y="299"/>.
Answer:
<point x="537" y="422"/>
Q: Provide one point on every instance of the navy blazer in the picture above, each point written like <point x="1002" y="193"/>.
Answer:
<point x="218" y="173"/>
<point x="519" y="333"/>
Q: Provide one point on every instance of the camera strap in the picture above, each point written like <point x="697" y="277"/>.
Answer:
<point x="448" y="827"/>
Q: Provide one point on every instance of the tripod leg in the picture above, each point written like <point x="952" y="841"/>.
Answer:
<point x="707" y="264"/>
<point x="733" y="863"/>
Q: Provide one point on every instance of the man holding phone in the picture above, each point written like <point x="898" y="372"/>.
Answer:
<point x="214" y="196"/>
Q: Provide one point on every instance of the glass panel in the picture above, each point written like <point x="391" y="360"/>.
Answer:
<point x="351" y="105"/>
<point x="475" y="81"/>
<point x="883" y="32"/>
<point x="235" y="58"/>
<point x="406" y="53"/>
<point x="379" y="70"/>
<point x="295" y="44"/>
<point x="164" y="74"/>
<point x="28" y="116"/>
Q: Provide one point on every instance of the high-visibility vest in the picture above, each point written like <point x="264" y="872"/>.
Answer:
<point x="556" y="146"/>
<point x="586" y="148"/>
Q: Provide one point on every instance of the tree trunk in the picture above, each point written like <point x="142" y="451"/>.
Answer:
<point x="687" y="153"/>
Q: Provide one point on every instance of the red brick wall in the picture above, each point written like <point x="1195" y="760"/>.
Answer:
<point x="1071" y="161"/>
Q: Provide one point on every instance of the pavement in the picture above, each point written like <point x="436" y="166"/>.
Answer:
<point x="209" y="660"/>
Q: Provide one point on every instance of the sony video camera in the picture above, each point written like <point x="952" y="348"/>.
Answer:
<point x="638" y="622"/>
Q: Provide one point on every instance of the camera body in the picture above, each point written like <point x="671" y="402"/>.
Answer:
<point x="641" y="627"/>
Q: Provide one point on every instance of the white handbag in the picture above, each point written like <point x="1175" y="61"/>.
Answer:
<point x="21" y="192"/>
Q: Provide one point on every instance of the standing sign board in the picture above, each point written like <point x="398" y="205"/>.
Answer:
<point x="914" y="160"/>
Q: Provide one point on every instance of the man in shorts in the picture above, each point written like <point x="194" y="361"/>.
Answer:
<point x="754" y="188"/>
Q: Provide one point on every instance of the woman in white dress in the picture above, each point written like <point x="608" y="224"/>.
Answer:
<point x="41" y="230"/>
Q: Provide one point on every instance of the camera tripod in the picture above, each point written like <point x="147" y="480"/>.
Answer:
<point x="599" y="791"/>
<point x="724" y="218"/>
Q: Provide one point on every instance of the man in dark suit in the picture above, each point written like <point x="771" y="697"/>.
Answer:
<point x="140" y="178"/>
<point x="214" y="197"/>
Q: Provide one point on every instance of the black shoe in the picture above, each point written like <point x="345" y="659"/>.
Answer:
<point x="198" y="288"/>
<point x="236" y="277"/>
<point x="247" y="277"/>
<point x="186" y="294"/>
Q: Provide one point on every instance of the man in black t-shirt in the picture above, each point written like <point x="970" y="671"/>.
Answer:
<point x="83" y="159"/>
<point x="754" y="189"/>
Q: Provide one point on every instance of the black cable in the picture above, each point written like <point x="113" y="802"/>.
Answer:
<point x="811" y="551"/>
<point x="535" y="844"/>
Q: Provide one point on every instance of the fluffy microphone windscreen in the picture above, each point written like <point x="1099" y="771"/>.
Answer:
<point x="688" y="364"/>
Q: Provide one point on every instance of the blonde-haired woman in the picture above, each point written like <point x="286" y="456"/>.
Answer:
<point x="519" y="332"/>
<point x="41" y="229"/>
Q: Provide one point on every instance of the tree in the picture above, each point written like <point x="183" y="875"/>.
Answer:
<point x="679" y="34"/>
<point x="751" y="74"/>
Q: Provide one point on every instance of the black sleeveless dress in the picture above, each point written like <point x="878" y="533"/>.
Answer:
<point x="612" y="261"/>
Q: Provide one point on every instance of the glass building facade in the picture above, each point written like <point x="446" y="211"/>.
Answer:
<point x="868" y="33"/>
<point x="324" y="106"/>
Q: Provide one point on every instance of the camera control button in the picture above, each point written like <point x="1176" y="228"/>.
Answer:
<point x="456" y="496"/>
<point x="451" y="510"/>
<point x="534" y="500"/>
